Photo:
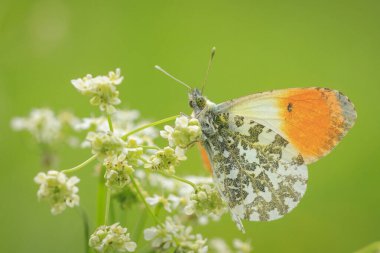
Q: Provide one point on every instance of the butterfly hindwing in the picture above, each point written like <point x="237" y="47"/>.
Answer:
<point x="259" y="174"/>
<point x="314" y="120"/>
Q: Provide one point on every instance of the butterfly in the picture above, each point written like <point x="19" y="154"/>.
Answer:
<point x="259" y="145"/>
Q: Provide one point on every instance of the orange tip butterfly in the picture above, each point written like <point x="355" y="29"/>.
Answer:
<point x="259" y="145"/>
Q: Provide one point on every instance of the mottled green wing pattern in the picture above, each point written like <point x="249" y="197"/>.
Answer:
<point x="258" y="173"/>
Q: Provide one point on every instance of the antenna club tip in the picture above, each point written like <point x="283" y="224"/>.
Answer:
<point x="157" y="67"/>
<point x="213" y="50"/>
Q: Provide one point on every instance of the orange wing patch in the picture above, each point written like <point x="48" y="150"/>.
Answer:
<point x="315" y="119"/>
<point x="205" y="159"/>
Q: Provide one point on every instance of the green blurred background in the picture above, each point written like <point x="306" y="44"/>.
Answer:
<point x="261" y="45"/>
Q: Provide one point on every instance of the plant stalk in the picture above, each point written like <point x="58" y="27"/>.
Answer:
<point x="148" y="125"/>
<point x="78" y="167"/>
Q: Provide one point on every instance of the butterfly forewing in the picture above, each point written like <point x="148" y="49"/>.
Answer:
<point x="314" y="120"/>
<point x="259" y="174"/>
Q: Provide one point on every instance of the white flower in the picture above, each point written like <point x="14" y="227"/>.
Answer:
<point x="125" y="118"/>
<point x="181" y="191"/>
<point x="133" y="151"/>
<point x="156" y="199"/>
<point x="187" y="190"/>
<point x="218" y="245"/>
<point x="180" y="153"/>
<point x="105" y="143"/>
<point x="164" y="183"/>
<point x="84" y="85"/>
<point x="123" y="122"/>
<point x="114" y="238"/>
<point x="167" y="133"/>
<point x="166" y="159"/>
<point x="41" y="123"/>
<point x="192" y="243"/>
<point x="175" y="201"/>
<point x="115" y="77"/>
<point x="58" y="190"/>
<point x="174" y="234"/>
<point x="98" y="124"/>
<point x="169" y="203"/>
<point x="102" y="90"/>
<point x="200" y="180"/>
<point x="117" y="171"/>
<point x="206" y="201"/>
<point x="67" y="118"/>
<point x="242" y="247"/>
<point x="185" y="132"/>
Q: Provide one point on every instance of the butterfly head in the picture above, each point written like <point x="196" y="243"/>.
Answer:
<point x="197" y="101"/>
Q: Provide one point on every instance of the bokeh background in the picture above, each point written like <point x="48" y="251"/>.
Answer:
<point x="261" y="45"/>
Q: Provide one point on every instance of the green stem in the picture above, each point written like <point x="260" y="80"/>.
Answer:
<point x="184" y="181"/>
<point x="48" y="157"/>
<point x="140" y="225"/>
<point x="86" y="229"/>
<point x="89" y="160"/>
<point x="110" y="122"/>
<point x="178" y="178"/>
<point x="101" y="196"/>
<point x="157" y="210"/>
<point x="112" y="218"/>
<point x="150" y="147"/>
<point x="143" y="199"/>
<point x="148" y="125"/>
<point x="172" y="176"/>
<point x="108" y="202"/>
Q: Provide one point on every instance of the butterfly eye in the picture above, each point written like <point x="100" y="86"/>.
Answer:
<point x="201" y="102"/>
<point x="191" y="104"/>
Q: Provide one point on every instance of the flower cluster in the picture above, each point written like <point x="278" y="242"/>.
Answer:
<point x="178" y="198"/>
<point x="133" y="152"/>
<point x="185" y="132"/>
<point x="206" y="200"/>
<point x="105" y="143"/>
<point x="43" y="124"/>
<point x="57" y="189"/>
<point x="242" y="247"/>
<point x="172" y="234"/>
<point x="109" y="239"/>
<point x="123" y="121"/>
<point x="166" y="160"/>
<point x="101" y="89"/>
<point x="117" y="171"/>
<point x="169" y="203"/>
<point x="124" y="145"/>
<point x="218" y="245"/>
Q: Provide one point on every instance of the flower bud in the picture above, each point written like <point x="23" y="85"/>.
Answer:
<point x="57" y="189"/>
<point x="114" y="238"/>
<point x="185" y="132"/>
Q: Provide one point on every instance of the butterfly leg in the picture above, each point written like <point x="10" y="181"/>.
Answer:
<point x="190" y="144"/>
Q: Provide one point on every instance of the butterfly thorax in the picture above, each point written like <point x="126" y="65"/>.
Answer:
<point x="204" y="110"/>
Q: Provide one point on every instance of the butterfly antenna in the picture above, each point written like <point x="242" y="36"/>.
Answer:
<point x="172" y="77"/>
<point x="208" y="67"/>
